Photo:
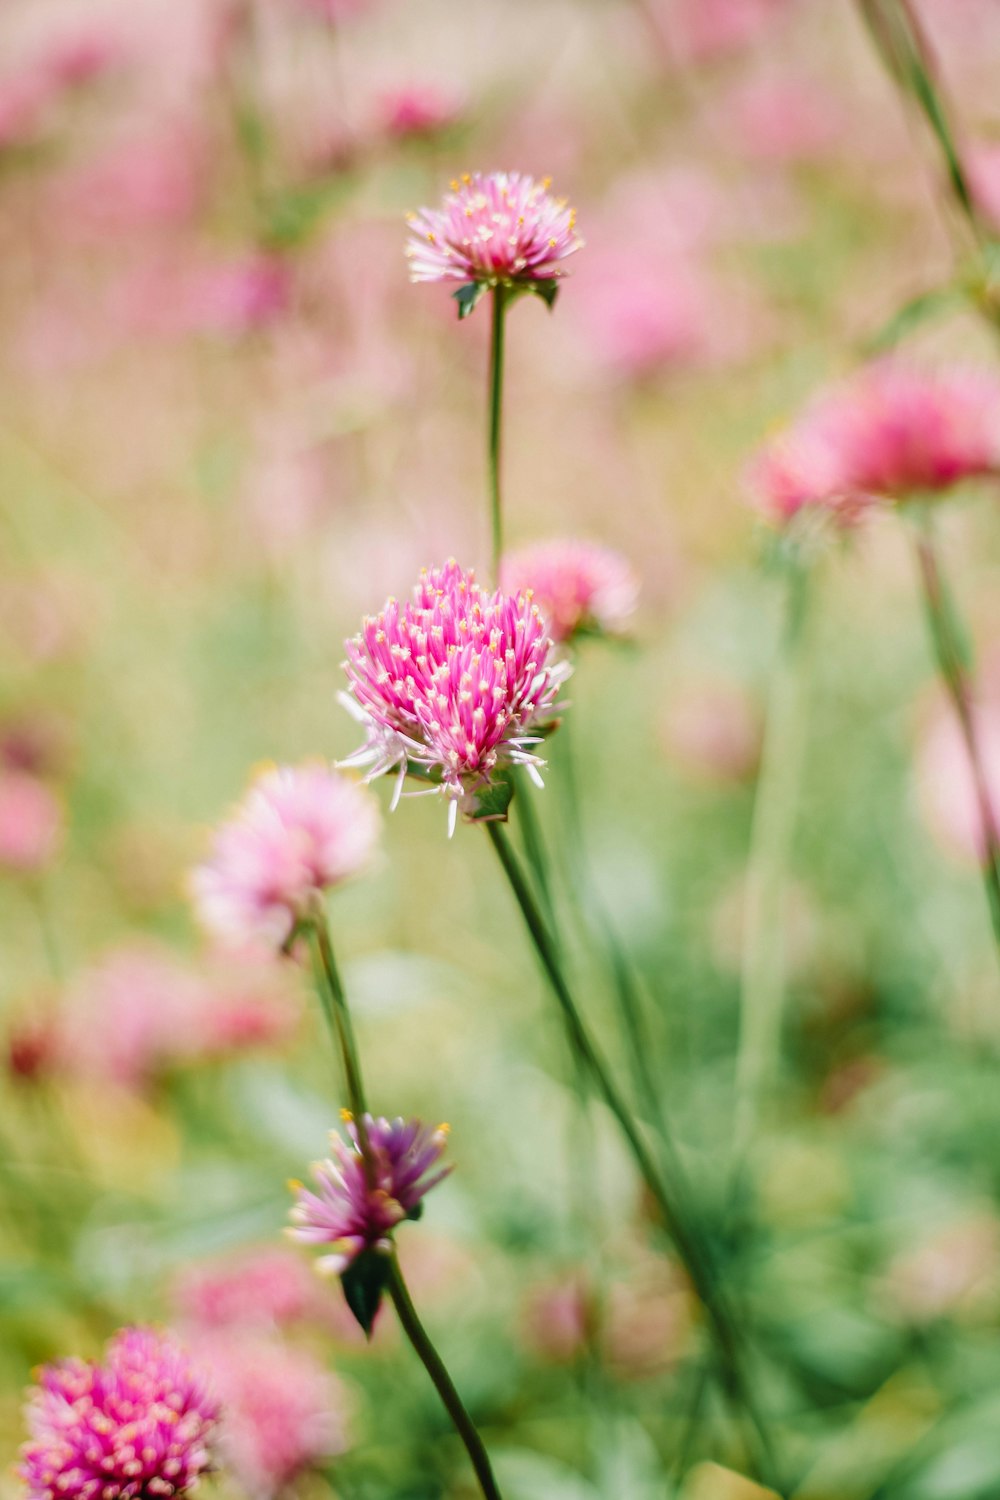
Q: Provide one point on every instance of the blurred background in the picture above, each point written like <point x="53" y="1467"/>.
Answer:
<point x="228" y="427"/>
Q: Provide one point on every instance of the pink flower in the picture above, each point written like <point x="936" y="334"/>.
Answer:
<point x="282" y="1411"/>
<point x="418" y="110"/>
<point x="262" y="1289"/>
<point x="140" y="1012"/>
<point x="578" y="586"/>
<point x="136" y="1427"/>
<point x="359" y="1204"/>
<point x="454" y="683"/>
<point x="31" y="823"/>
<point x="503" y="228"/>
<point x="891" y="432"/>
<point x="296" y="834"/>
<point x="645" y="311"/>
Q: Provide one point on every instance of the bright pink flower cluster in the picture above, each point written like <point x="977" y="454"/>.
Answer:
<point x="453" y="682"/>
<point x="578" y="586"/>
<point x="297" y="833"/>
<point x="359" y="1203"/>
<point x="500" y="228"/>
<point x="136" y="1427"/>
<point x="892" y="432"/>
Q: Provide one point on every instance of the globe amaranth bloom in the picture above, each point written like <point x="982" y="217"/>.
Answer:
<point x="298" y="832"/>
<point x="138" y="1426"/>
<point x="453" y="684"/>
<point x="362" y="1196"/>
<point x="891" y="432"/>
<point x="493" y="229"/>
<point x="578" y="586"/>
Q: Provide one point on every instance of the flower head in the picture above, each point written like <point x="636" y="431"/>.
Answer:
<point x="297" y="833"/>
<point x="453" y="683"/>
<point x="134" y="1428"/>
<point x="359" y="1203"/>
<point x="261" y="1290"/>
<point x="31" y="823"/>
<point x="493" y="229"/>
<point x="891" y="432"/>
<point x="578" y="586"/>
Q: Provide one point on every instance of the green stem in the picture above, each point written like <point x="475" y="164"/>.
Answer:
<point x="442" y="1381"/>
<point x="772" y="833"/>
<point x="498" y="299"/>
<point x="689" y="1247"/>
<point x="949" y="651"/>
<point x="334" y="1001"/>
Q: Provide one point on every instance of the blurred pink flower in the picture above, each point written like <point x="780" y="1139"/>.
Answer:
<point x="891" y="432"/>
<point x="698" y="30"/>
<point x="139" y="1012"/>
<point x="151" y="181"/>
<point x="141" y="1424"/>
<point x="642" y="311"/>
<point x="283" y="1412"/>
<point x="79" y="56"/>
<point x="418" y="109"/>
<point x="24" y="99"/>
<point x="782" y="119"/>
<point x="359" y="1204"/>
<point x="266" y="1288"/>
<point x="945" y="785"/>
<point x="297" y="833"/>
<point x="455" y="682"/>
<point x="31" y="823"/>
<point x="498" y="228"/>
<point x="949" y="1271"/>
<point x="578" y="586"/>
<point x="711" y="730"/>
<point x="983" y="169"/>
<point x="223" y="297"/>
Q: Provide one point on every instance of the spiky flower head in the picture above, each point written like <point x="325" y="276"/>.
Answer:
<point x="579" y="586"/>
<point x="454" y="685"/>
<point x="136" y="1427"/>
<point x="369" y="1184"/>
<point x="891" y="432"/>
<point x="494" y="229"/>
<point x="298" y="832"/>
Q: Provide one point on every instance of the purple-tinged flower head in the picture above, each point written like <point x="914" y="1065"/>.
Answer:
<point x="494" y="229"/>
<point x="359" y="1203"/>
<point x="298" y="832"/>
<point x="136" y="1427"/>
<point x="890" y="433"/>
<point x="454" y="684"/>
<point x="578" y="586"/>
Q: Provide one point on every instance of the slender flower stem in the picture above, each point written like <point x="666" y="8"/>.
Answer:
<point x="689" y="1245"/>
<point x="948" y="648"/>
<point x="338" y="1016"/>
<point x="433" y="1364"/>
<point x="498" y="300"/>
<point x="773" y="829"/>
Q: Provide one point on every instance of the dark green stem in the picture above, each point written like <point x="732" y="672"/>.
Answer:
<point x="338" y="1017"/>
<point x="443" y="1384"/>
<point x="949" y="651"/>
<point x="498" y="300"/>
<point x="689" y="1247"/>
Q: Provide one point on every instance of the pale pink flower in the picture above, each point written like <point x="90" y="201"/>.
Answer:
<point x="946" y="786"/>
<point x="297" y="833"/>
<point x="496" y="229"/>
<point x="137" y="1427"/>
<point x="31" y="823"/>
<point x="645" y="311"/>
<point x="891" y="432"/>
<point x="24" y="101"/>
<point x="418" y="109"/>
<point x="80" y="56"/>
<point x="579" y="587"/>
<point x="283" y="1412"/>
<point x="782" y="119"/>
<point x="140" y="1012"/>
<point x="455" y="683"/>
<point x="358" y="1204"/>
<point x="982" y="164"/>
<point x="262" y="1289"/>
<point x="711" y="730"/>
<point x="149" y="181"/>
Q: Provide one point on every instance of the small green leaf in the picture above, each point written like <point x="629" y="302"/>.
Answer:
<point x="364" y="1281"/>
<point x="493" y="801"/>
<point x="919" y="310"/>
<point x="547" y="290"/>
<point x="467" y="296"/>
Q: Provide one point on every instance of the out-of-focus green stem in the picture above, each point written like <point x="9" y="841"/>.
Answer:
<point x="338" y="1018"/>
<point x="498" y="310"/>
<point x="688" y="1242"/>
<point x="775" y="804"/>
<point x="946" y="636"/>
